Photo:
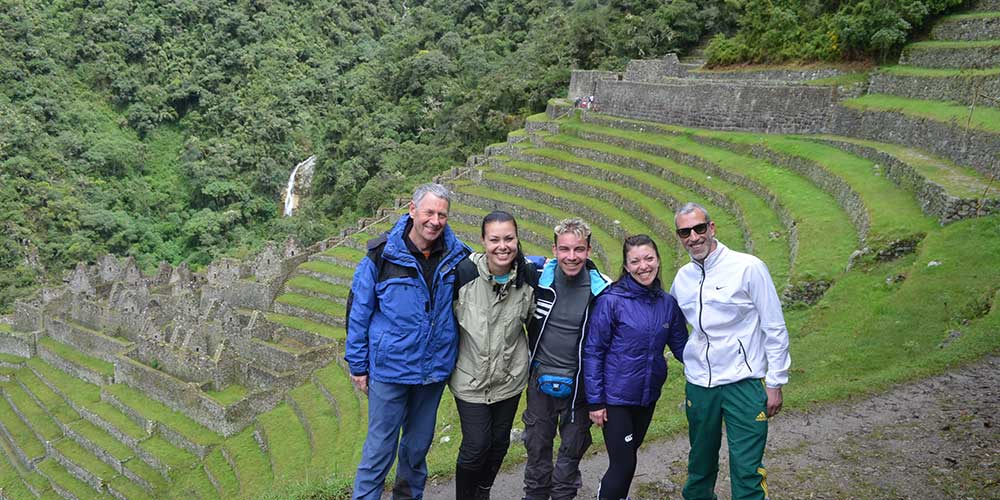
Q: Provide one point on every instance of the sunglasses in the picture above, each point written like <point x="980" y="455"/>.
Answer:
<point x="684" y="232"/>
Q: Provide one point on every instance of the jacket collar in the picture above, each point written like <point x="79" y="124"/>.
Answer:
<point x="396" y="249"/>
<point x="598" y="282"/>
<point x="715" y="257"/>
<point x="627" y="286"/>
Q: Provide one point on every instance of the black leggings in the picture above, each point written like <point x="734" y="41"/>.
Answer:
<point x="623" y="433"/>
<point x="485" y="440"/>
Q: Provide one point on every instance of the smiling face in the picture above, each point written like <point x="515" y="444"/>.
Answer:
<point x="571" y="253"/>
<point x="500" y="243"/>
<point x="642" y="264"/>
<point x="697" y="245"/>
<point x="429" y="218"/>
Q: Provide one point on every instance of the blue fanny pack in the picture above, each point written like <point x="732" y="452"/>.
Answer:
<point x="556" y="386"/>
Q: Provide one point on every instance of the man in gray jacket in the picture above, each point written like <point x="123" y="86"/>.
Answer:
<point x="566" y="290"/>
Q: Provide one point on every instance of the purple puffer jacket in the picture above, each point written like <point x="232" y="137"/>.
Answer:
<point x="623" y="362"/>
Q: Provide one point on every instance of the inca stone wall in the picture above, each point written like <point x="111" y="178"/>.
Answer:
<point x="955" y="58"/>
<point x="963" y="89"/>
<point x="984" y="28"/>
<point x="583" y="83"/>
<point x="775" y="75"/>
<point x="721" y="105"/>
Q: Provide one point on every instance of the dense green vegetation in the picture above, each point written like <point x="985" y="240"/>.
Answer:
<point x="167" y="130"/>
<point x="813" y="30"/>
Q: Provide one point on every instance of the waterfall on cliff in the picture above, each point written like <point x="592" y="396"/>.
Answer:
<point x="289" y="201"/>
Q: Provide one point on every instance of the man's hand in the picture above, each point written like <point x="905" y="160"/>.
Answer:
<point x="598" y="417"/>
<point x="773" y="401"/>
<point x="361" y="383"/>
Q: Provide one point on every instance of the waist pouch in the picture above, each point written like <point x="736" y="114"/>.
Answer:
<point x="557" y="386"/>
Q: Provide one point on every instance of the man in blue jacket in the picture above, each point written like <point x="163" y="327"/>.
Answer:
<point x="402" y="340"/>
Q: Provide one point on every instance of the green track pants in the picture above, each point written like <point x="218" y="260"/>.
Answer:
<point x="742" y="406"/>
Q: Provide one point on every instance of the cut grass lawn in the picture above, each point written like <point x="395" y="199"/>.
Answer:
<point x="69" y="386"/>
<point x="55" y="472"/>
<point x="287" y="441"/>
<point x="251" y="466"/>
<point x="352" y="419"/>
<point x="231" y="394"/>
<point x="983" y="118"/>
<point x="37" y="418"/>
<point x="218" y="468"/>
<point x="24" y="439"/>
<point x="334" y="310"/>
<point x="961" y="182"/>
<point x="319" y="266"/>
<point x="6" y="328"/>
<point x="54" y="403"/>
<point x="154" y="410"/>
<point x="344" y="253"/>
<point x="78" y="358"/>
<point x="903" y="70"/>
<point x="970" y="16"/>
<point x="324" y="428"/>
<point x="327" y="331"/>
<point x="85" y="459"/>
<point x="311" y="284"/>
<point x="825" y="234"/>
<point x="952" y="44"/>
<point x="10" y="359"/>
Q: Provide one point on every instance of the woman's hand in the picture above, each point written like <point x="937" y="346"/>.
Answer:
<point x="598" y="417"/>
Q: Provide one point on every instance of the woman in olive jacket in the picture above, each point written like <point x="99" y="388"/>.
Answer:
<point x="494" y="298"/>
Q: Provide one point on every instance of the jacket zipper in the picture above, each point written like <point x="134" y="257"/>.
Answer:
<point x="701" y="307"/>
<point x="744" y="351"/>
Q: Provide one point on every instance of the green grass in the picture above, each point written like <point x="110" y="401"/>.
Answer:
<point x="287" y="441"/>
<point x="327" y="268"/>
<point x="957" y="181"/>
<point x="951" y="44"/>
<point x="145" y="471"/>
<point x="177" y="459"/>
<point x="306" y="325"/>
<point x="894" y="213"/>
<point x="319" y="286"/>
<point x="324" y="426"/>
<point x="11" y="359"/>
<point x="60" y="476"/>
<point x="659" y="211"/>
<point x="6" y="327"/>
<point x="321" y="306"/>
<point x="102" y="439"/>
<point x="251" y="465"/>
<point x="983" y="118"/>
<point x="154" y="410"/>
<point x="840" y="80"/>
<point x="37" y="418"/>
<point x="119" y="420"/>
<point x="85" y="459"/>
<point x="938" y="72"/>
<point x="216" y="466"/>
<point x="76" y="357"/>
<point x="352" y="422"/>
<point x="537" y="117"/>
<point x="826" y="236"/>
<point x="231" y="394"/>
<point x="191" y="483"/>
<point x="54" y="403"/>
<point x="612" y="259"/>
<point x="23" y="437"/>
<point x="68" y="385"/>
<point x="126" y="487"/>
<point x="969" y="16"/>
<point x="344" y="253"/>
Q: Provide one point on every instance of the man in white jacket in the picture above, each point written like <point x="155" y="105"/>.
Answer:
<point x="736" y="359"/>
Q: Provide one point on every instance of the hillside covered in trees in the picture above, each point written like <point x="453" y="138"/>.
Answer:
<point x="167" y="129"/>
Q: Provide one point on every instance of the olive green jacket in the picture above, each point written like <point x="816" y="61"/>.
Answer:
<point x="492" y="345"/>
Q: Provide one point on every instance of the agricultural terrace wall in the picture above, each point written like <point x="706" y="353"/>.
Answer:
<point x="951" y="57"/>
<point x="963" y="89"/>
<point x="768" y="75"/>
<point x="721" y="105"/>
<point x="654" y="70"/>
<point x="933" y="198"/>
<point x="983" y="28"/>
<point x="18" y="344"/>
<point x="975" y="148"/>
<point x="583" y="83"/>
<point x="97" y="345"/>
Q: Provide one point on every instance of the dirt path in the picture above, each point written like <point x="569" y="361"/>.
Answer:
<point x="933" y="439"/>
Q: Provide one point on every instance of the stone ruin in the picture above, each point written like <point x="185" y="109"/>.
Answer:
<point x="178" y="335"/>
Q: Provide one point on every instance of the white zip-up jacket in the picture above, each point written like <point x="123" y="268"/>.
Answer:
<point x="738" y="330"/>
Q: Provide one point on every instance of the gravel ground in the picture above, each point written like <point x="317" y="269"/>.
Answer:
<point x="932" y="439"/>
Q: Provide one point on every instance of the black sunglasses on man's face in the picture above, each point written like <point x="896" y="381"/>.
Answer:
<point x="684" y="232"/>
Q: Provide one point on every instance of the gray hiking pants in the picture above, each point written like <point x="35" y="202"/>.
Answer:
<point x="542" y="417"/>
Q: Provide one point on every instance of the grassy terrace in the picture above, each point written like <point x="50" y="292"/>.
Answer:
<point x="611" y="245"/>
<point x="839" y="80"/>
<point x="345" y="253"/>
<point x="78" y="358"/>
<point x="231" y="394"/>
<point x="761" y="220"/>
<point x="287" y="441"/>
<point x="252" y="467"/>
<point x="351" y="418"/>
<point x="958" y="181"/>
<point x="333" y="310"/>
<point x="660" y="212"/>
<point x="894" y="213"/>
<point x="37" y="418"/>
<point x="950" y="44"/>
<point x="311" y="284"/>
<point x="983" y="118"/>
<point x="306" y="325"/>
<point x="327" y="268"/>
<point x="54" y="471"/>
<point x="225" y="478"/>
<point x="970" y="16"/>
<point x="903" y="70"/>
<point x="151" y="409"/>
<point x="11" y="359"/>
<point x="85" y="459"/>
<point x="24" y="439"/>
<point x="54" y="403"/>
<point x="826" y="236"/>
<point x="323" y="428"/>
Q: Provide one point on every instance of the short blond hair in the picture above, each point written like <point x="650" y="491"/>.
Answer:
<point x="575" y="226"/>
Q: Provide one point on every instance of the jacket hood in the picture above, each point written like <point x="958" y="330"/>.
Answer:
<point x="598" y="281"/>
<point x="628" y="287"/>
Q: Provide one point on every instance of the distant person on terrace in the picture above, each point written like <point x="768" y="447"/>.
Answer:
<point x="736" y="359"/>
<point x="494" y="298"/>
<point x="402" y="341"/>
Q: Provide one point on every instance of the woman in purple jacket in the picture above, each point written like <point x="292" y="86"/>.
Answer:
<point x="623" y="363"/>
